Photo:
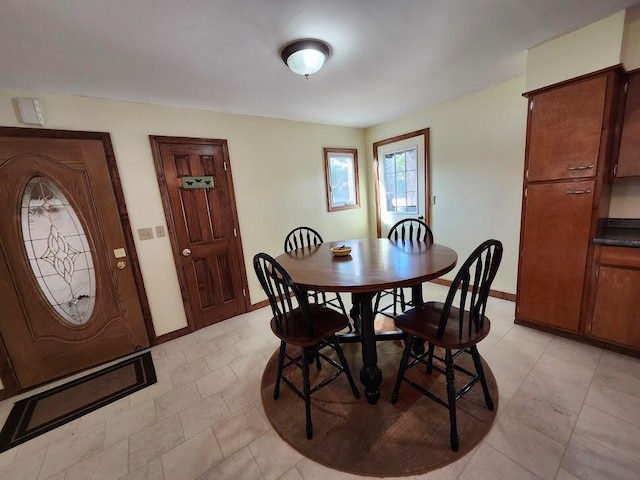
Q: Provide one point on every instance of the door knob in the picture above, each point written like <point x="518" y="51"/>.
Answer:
<point x="186" y="252"/>
<point x="121" y="265"/>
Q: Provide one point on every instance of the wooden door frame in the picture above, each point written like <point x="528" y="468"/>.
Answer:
<point x="7" y="373"/>
<point x="156" y="140"/>
<point x="427" y="176"/>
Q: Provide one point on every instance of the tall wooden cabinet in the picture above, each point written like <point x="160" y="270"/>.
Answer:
<point x="570" y="132"/>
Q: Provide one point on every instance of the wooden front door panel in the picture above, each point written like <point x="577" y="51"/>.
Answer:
<point x="204" y="226"/>
<point x="554" y="252"/>
<point x="565" y="130"/>
<point x="42" y="343"/>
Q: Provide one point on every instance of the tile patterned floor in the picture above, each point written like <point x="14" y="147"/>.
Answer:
<point x="568" y="411"/>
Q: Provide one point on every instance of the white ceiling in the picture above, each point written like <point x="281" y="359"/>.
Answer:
<point x="389" y="57"/>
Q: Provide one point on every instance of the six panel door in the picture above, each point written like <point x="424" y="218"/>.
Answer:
<point x="203" y="220"/>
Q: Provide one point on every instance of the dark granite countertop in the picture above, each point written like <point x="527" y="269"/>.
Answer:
<point x="620" y="232"/>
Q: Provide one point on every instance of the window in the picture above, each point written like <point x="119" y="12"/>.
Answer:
<point x="400" y="180"/>
<point x="341" y="170"/>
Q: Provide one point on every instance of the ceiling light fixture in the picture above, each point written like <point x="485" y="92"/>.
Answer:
<point x="305" y="57"/>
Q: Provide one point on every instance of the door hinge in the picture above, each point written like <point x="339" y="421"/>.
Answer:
<point x="615" y="170"/>
<point x="597" y="272"/>
<point x="526" y="174"/>
<point x="531" y="105"/>
<point x="225" y="166"/>
<point x="525" y="192"/>
<point x="626" y="87"/>
<point x="235" y="232"/>
<point x="244" y="292"/>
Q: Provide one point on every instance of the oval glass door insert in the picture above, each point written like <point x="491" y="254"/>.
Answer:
<point x="58" y="251"/>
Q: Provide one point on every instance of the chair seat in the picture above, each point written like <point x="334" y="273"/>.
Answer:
<point x="294" y="329"/>
<point x="423" y="321"/>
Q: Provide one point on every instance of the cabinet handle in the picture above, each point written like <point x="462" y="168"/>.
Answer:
<point x="581" y="167"/>
<point x="577" y="192"/>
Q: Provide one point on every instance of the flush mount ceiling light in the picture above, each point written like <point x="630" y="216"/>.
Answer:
<point x="305" y="57"/>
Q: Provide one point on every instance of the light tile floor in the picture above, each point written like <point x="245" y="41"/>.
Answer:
<point x="567" y="411"/>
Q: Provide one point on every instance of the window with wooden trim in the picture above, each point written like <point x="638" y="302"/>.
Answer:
<point x="341" y="172"/>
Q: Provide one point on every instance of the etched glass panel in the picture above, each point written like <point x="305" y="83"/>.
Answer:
<point x="58" y="252"/>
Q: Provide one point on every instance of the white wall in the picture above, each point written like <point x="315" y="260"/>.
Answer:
<point x="586" y="50"/>
<point x="277" y="167"/>
<point x="477" y="158"/>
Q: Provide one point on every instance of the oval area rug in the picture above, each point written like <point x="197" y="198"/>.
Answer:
<point x="408" y="438"/>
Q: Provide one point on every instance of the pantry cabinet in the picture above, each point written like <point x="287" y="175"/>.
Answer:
<point x="570" y="135"/>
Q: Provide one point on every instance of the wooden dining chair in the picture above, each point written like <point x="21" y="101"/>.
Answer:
<point x="409" y="229"/>
<point x="310" y="326"/>
<point x="457" y="325"/>
<point x="301" y="237"/>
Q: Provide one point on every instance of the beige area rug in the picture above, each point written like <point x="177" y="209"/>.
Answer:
<point x="408" y="438"/>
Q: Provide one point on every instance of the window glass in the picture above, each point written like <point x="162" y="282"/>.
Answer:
<point x="58" y="250"/>
<point x="341" y="168"/>
<point x="401" y="180"/>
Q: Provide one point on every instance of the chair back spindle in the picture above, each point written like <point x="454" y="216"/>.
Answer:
<point x="473" y="281"/>
<point x="411" y="229"/>
<point x="283" y="294"/>
<point x="301" y="237"/>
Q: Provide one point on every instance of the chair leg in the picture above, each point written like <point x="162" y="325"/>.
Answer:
<point x="376" y="305"/>
<point x="451" y="397"/>
<point x="396" y="295"/>
<point x="483" y="381"/>
<point x="345" y="366"/>
<point x="408" y="345"/>
<point x="430" y="359"/>
<point x="306" y="390"/>
<point x="344" y="310"/>
<point x="403" y="303"/>
<point x="318" y="364"/>
<point x="276" y="391"/>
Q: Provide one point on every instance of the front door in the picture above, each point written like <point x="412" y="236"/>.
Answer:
<point x="402" y="179"/>
<point x="197" y="192"/>
<point x="69" y="293"/>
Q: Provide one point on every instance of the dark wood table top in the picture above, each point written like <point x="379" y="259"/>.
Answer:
<point x="374" y="265"/>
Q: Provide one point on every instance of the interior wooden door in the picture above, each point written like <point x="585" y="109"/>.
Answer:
<point x="203" y="226"/>
<point x="565" y="130"/>
<point x="69" y="293"/>
<point x="553" y="254"/>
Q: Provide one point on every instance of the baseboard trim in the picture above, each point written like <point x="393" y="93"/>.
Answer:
<point x="259" y="305"/>
<point x="578" y="337"/>
<point x="172" y="335"/>
<point x="492" y="293"/>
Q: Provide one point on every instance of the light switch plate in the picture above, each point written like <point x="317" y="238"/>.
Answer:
<point x="145" y="233"/>
<point x="160" y="231"/>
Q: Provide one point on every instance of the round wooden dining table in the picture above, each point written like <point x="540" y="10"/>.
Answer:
<point x="373" y="265"/>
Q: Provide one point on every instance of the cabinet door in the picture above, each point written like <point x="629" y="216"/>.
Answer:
<point x="565" y="131"/>
<point x="553" y="253"/>
<point x="629" y="155"/>
<point x="616" y="316"/>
